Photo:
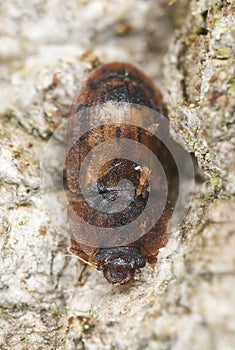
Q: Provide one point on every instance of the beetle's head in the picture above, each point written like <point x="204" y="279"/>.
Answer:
<point x="119" y="264"/>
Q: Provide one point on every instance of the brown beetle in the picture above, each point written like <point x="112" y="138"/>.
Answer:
<point x="114" y="84"/>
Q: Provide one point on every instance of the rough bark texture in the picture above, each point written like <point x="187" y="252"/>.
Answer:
<point x="188" y="300"/>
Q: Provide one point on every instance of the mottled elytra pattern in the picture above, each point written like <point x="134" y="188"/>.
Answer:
<point x="120" y="83"/>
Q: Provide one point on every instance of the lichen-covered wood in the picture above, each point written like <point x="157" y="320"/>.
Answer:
<point x="188" y="300"/>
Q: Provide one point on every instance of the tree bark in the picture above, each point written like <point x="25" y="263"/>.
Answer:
<point x="188" y="300"/>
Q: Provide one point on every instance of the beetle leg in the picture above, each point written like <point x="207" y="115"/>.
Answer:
<point x="81" y="279"/>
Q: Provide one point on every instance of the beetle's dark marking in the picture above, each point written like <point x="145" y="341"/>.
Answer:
<point x="118" y="132"/>
<point x="93" y="85"/>
<point x="139" y="134"/>
<point x="121" y="85"/>
<point x="124" y="93"/>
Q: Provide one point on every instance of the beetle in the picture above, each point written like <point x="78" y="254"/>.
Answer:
<point x="116" y="83"/>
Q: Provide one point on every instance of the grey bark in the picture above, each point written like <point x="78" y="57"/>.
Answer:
<point x="188" y="300"/>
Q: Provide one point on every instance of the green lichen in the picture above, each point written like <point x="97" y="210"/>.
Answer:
<point x="185" y="228"/>
<point x="189" y="40"/>
<point x="215" y="182"/>
<point x="157" y="344"/>
<point x="189" y="140"/>
<point x="224" y="52"/>
<point x="231" y="82"/>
